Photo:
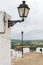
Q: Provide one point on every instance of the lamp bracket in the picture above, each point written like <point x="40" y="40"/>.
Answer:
<point x="13" y="22"/>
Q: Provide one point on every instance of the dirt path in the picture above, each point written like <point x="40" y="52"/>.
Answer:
<point x="31" y="58"/>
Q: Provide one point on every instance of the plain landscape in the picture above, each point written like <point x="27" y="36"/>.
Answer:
<point x="31" y="58"/>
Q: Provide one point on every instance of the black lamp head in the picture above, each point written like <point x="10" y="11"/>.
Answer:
<point x="23" y="9"/>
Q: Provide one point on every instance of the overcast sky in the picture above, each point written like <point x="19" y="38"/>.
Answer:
<point x="33" y="24"/>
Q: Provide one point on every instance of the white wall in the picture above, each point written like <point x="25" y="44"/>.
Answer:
<point x="42" y="50"/>
<point x="1" y="21"/>
<point x="12" y="54"/>
<point x="17" y="54"/>
<point x="38" y="50"/>
<point x="25" y="50"/>
<point x="5" y="44"/>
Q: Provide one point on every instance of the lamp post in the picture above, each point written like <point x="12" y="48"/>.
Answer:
<point x="23" y="11"/>
<point x="22" y="43"/>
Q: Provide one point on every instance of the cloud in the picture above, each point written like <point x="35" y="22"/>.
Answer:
<point x="32" y="35"/>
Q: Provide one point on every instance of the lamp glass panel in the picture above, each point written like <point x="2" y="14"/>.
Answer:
<point x="21" y="12"/>
<point x="26" y="12"/>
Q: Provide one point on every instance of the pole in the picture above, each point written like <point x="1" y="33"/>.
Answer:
<point x="22" y="43"/>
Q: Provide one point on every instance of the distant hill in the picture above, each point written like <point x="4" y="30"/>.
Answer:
<point x="32" y="43"/>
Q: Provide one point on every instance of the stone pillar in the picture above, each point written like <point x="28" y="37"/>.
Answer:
<point x="5" y="44"/>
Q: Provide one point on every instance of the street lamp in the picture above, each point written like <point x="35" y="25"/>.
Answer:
<point x="23" y="11"/>
<point x="22" y="43"/>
